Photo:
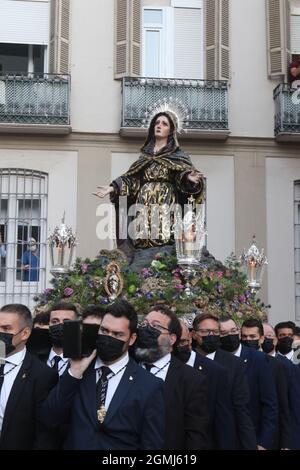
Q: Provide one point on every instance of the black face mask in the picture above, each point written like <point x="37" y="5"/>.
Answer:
<point x="109" y="348"/>
<point x="147" y="337"/>
<point x="7" y="340"/>
<point x="284" y="345"/>
<point x="251" y="343"/>
<point x="183" y="353"/>
<point x="210" y="343"/>
<point x="267" y="345"/>
<point x="56" y="333"/>
<point x="230" y="343"/>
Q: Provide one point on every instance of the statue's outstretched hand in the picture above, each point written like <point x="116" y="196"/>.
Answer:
<point x="195" y="177"/>
<point x="103" y="191"/>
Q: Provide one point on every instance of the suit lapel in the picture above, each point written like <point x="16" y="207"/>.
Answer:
<point x="88" y="393"/>
<point x="16" y="391"/>
<point x="172" y="375"/>
<point x="122" y="390"/>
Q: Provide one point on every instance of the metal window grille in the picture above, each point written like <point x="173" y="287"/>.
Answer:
<point x="23" y="216"/>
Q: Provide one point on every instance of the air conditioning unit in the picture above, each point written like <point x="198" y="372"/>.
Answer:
<point x="2" y="93"/>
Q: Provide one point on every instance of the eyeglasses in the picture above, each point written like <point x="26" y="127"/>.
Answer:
<point x="208" y="332"/>
<point x="154" y="325"/>
<point x="233" y="331"/>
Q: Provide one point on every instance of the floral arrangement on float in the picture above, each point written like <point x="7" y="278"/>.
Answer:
<point x="216" y="287"/>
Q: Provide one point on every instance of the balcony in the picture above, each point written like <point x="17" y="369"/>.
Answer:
<point x="287" y="113"/>
<point x="205" y="105"/>
<point x="35" y="103"/>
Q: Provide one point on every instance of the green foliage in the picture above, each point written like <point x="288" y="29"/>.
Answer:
<point x="216" y="288"/>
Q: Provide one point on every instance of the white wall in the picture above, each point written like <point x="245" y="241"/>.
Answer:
<point x="251" y="106"/>
<point x="96" y="96"/>
<point x="280" y="176"/>
<point x="219" y="171"/>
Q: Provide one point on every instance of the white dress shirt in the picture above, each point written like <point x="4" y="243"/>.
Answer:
<point x="238" y="351"/>
<point x="13" y="363"/>
<point x="211" y="355"/>
<point x="160" y="368"/>
<point x="63" y="363"/>
<point x="118" y="369"/>
<point x="289" y="355"/>
<point x="191" y="361"/>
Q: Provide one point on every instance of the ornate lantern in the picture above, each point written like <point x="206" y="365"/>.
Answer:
<point x="253" y="263"/>
<point x="61" y="244"/>
<point x="190" y="235"/>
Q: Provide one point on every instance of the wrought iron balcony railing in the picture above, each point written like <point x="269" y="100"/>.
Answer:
<point x="206" y="102"/>
<point x="35" y="99"/>
<point x="287" y="112"/>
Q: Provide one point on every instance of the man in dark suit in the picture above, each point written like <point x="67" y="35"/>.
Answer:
<point x="206" y="337"/>
<point x="288" y="394"/>
<point x="24" y="383"/>
<point x="185" y="388"/>
<point x="125" y="410"/>
<point x="221" y="429"/>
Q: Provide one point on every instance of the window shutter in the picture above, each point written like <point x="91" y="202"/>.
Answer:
<point x="59" y="44"/>
<point x="187" y="43"/>
<point x="127" y="38"/>
<point x="224" y="43"/>
<point x="217" y="44"/>
<point x="295" y="34"/>
<point x="278" y="37"/>
<point x="210" y="11"/>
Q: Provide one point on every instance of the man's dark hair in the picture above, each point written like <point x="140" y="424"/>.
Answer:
<point x="174" y="325"/>
<point x="225" y="317"/>
<point x="65" y="306"/>
<point x="21" y="310"/>
<point x="297" y="330"/>
<point x="285" y="324"/>
<point x="97" y="311"/>
<point x="254" y="323"/>
<point x="42" y="318"/>
<point x="122" y="308"/>
<point x="204" y="316"/>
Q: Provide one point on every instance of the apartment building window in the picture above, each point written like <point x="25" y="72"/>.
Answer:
<point x="173" y="40"/>
<point x="24" y="36"/>
<point x="297" y="247"/>
<point x="23" y="217"/>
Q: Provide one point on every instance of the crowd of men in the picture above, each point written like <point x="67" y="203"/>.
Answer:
<point x="155" y="385"/>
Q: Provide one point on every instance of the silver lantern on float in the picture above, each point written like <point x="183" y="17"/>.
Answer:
<point x="61" y="245"/>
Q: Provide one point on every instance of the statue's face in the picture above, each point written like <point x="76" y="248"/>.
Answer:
<point x="162" y="127"/>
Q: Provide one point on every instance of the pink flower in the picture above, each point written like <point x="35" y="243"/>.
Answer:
<point x="158" y="256"/>
<point x="179" y="286"/>
<point x="219" y="274"/>
<point x="242" y="298"/>
<point x="84" y="268"/>
<point x="211" y="275"/>
<point x="48" y="291"/>
<point x="68" y="292"/>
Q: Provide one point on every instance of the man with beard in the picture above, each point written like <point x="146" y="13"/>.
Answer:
<point x="185" y="388"/>
<point x="221" y="434"/>
<point x="206" y="337"/>
<point x="109" y="401"/>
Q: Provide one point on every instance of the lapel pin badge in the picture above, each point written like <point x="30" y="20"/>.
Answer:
<point x="245" y="360"/>
<point x="131" y="378"/>
<point x="200" y="367"/>
<point x="24" y="376"/>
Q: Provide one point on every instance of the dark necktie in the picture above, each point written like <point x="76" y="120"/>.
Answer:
<point x="1" y="374"/>
<point x="56" y="360"/>
<point x="148" y="367"/>
<point x="101" y="390"/>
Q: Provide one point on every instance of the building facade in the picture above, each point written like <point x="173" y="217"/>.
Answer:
<point x="77" y="81"/>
